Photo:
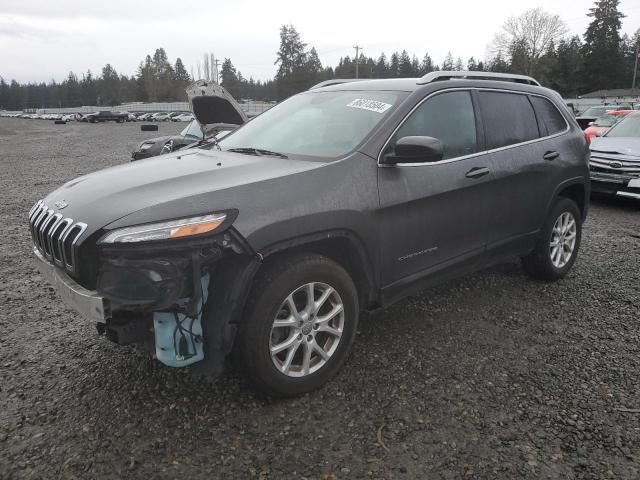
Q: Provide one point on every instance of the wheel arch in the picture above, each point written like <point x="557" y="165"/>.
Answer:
<point x="343" y="247"/>
<point x="576" y="189"/>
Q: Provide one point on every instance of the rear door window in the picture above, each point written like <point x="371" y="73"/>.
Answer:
<point x="550" y="118"/>
<point x="508" y="119"/>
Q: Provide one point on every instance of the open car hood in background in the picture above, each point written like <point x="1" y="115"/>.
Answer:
<point x="213" y="107"/>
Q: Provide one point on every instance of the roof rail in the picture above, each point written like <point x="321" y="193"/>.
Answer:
<point x="336" y="81"/>
<point x="501" y="77"/>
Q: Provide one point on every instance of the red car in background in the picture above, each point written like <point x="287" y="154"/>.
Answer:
<point x="604" y="123"/>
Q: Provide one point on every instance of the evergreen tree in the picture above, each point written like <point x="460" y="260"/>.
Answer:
<point x="458" y="66"/>
<point x="313" y="69"/>
<point x="427" y="65"/>
<point x="404" y="69"/>
<point x="601" y="51"/>
<point x="519" y="55"/>
<point x="89" y="89"/>
<point x="229" y="78"/>
<point x="109" y="86"/>
<point x="382" y="67"/>
<point x="181" y="79"/>
<point x="630" y="48"/>
<point x="4" y="95"/>
<point x="447" y="65"/>
<point x="291" y="60"/>
<point x="472" y="65"/>
<point x="498" y="64"/>
<point x="394" y="65"/>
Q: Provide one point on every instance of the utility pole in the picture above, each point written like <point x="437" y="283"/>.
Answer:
<point x="216" y="64"/>
<point x="635" y="69"/>
<point x="357" y="47"/>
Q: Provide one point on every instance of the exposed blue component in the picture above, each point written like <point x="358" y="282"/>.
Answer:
<point x="179" y="339"/>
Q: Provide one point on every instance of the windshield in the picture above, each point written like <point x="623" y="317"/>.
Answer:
<point x="606" y="120"/>
<point x="628" y="127"/>
<point x="318" y="124"/>
<point x="595" y="111"/>
<point x="192" y="130"/>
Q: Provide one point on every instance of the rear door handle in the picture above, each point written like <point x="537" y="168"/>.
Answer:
<point x="477" y="172"/>
<point x="551" y="155"/>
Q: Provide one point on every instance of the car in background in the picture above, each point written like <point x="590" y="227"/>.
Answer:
<point x="68" y="117"/>
<point x="216" y="114"/>
<point x="601" y="124"/>
<point x="106" y="116"/>
<point x="159" y="117"/>
<point x="184" y="117"/>
<point x="168" y="143"/>
<point x="615" y="160"/>
<point x="129" y="117"/>
<point x="592" y="113"/>
<point x="145" y="117"/>
<point x="173" y="115"/>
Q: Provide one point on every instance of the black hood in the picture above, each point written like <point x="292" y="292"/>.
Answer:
<point x="173" y="185"/>
<point x="213" y="106"/>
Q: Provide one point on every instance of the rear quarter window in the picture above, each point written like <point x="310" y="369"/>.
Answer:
<point x="550" y="117"/>
<point x="508" y="119"/>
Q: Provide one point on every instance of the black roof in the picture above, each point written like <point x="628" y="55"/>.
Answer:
<point x="411" y="85"/>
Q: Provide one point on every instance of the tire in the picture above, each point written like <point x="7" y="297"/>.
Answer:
<point x="546" y="262"/>
<point x="289" y="277"/>
<point x="149" y="128"/>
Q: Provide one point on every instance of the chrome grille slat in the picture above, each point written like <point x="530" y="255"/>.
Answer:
<point x="57" y="218"/>
<point x="623" y="168"/>
<point x="41" y="227"/>
<point x="60" y="260"/>
<point x="56" y="237"/>
<point x="615" y="157"/>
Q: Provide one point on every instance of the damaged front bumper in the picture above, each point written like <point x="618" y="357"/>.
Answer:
<point x="183" y="302"/>
<point x="88" y="303"/>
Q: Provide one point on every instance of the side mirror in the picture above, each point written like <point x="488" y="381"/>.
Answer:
<point x="591" y="123"/>
<point x="416" y="149"/>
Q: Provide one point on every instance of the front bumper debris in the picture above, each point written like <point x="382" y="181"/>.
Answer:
<point x="86" y="302"/>
<point x="179" y="337"/>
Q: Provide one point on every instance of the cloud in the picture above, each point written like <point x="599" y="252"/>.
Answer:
<point x="18" y="27"/>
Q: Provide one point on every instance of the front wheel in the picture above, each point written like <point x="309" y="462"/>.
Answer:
<point x="299" y="325"/>
<point x="557" y="247"/>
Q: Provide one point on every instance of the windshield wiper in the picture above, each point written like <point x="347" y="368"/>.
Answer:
<point x="257" y="151"/>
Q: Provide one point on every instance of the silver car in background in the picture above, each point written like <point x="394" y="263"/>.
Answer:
<point x="615" y="160"/>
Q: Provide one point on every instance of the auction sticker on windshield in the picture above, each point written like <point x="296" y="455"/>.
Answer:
<point x="371" y="105"/>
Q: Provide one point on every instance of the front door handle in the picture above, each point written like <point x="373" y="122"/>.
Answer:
<point x="551" y="155"/>
<point x="477" y="172"/>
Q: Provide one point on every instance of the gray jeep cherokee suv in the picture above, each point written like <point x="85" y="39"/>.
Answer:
<point x="270" y="244"/>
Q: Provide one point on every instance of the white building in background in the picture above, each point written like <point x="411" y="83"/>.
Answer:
<point x="250" y="107"/>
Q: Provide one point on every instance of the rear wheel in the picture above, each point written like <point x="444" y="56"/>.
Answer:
<point x="558" y="245"/>
<point x="299" y="325"/>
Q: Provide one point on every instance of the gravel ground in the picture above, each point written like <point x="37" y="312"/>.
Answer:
<point x="491" y="376"/>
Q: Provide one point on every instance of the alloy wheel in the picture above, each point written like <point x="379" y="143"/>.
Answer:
<point x="563" y="239"/>
<point x="307" y="329"/>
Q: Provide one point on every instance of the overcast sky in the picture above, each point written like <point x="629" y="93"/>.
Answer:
<point x="40" y="40"/>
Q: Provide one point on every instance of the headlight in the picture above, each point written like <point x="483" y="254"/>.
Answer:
<point x="146" y="146"/>
<point x="185" y="227"/>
